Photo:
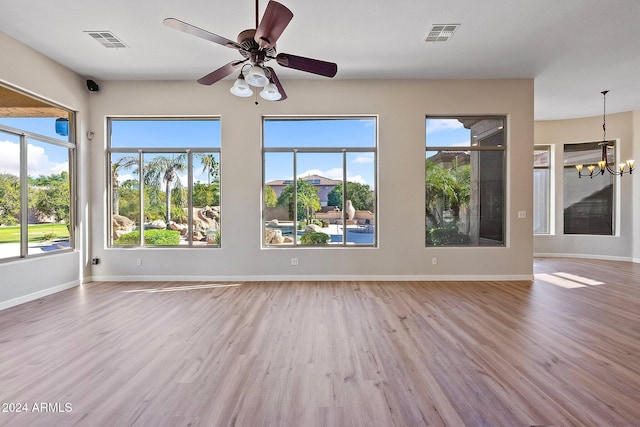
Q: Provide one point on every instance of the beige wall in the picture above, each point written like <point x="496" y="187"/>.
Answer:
<point x="25" y="69"/>
<point x="558" y="132"/>
<point x="401" y="107"/>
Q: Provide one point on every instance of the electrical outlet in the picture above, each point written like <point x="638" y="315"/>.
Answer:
<point x="294" y="261"/>
<point x="139" y="262"/>
<point x="95" y="261"/>
<point x="434" y="261"/>
<point x="522" y="214"/>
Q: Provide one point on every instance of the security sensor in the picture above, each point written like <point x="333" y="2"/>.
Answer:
<point x="92" y="86"/>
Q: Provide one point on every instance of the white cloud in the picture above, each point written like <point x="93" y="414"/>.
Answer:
<point x="127" y="177"/>
<point x="39" y="163"/>
<point x="364" y="159"/>
<point x="10" y="159"/>
<point x="436" y="125"/>
<point x="358" y="178"/>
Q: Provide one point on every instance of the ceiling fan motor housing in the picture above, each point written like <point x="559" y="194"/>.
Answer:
<point x="252" y="50"/>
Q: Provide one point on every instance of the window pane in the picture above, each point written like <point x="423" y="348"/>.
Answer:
<point x="541" y="158"/>
<point x="161" y="213"/>
<point x="541" y="187"/>
<point x="586" y="154"/>
<point x="361" y="194"/>
<point x="464" y="188"/>
<point x="206" y="200"/>
<point x="277" y="200"/>
<point x="588" y="204"/>
<point x="319" y="150"/>
<point x="447" y="133"/>
<point x="318" y="194"/>
<point x="333" y="132"/>
<point x="125" y="200"/>
<point x="49" y="197"/>
<point x="448" y="190"/>
<point x="165" y="198"/>
<point x="9" y="195"/>
<point x="169" y="133"/>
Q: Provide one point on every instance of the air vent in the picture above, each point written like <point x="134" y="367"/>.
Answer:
<point x="106" y="39"/>
<point x="441" y="32"/>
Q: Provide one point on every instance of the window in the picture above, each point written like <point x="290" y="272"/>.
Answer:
<point x="464" y="181"/>
<point x="36" y="209"/>
<point x="175" y="201"/>
<point x="541" y="189"/>
<point x="588" y="202"/>
<point x="332" y="200"/>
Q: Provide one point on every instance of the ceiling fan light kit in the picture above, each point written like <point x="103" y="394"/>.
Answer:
<point x="257" y="47"/>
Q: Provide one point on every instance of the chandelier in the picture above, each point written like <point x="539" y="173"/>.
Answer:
<point x="604" y="163"/>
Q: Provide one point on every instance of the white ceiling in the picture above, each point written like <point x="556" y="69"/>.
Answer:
<point x="572" y="48"/>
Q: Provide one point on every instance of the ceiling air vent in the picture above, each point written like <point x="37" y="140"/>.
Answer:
<point x="441" y="32"/>
<point x="106" y="39"/>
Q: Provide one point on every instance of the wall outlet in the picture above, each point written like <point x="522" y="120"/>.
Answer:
<point x="95" y="260"/>
<point x="522" y="214"/>
<point x="294" y="261"/>
<point x="434" y="261"/>
<point x="139" y="262"/>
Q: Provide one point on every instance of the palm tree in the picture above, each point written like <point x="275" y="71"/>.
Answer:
<point x="124" y="162"/>
<point x="209" y="165"/>
<point x="165" y="170"/>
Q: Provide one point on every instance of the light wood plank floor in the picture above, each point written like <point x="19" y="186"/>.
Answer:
<point x="563" y="350"/>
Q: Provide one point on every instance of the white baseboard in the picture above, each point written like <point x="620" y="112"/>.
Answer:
<point x="314" y="278"/>
<point x="586" y="256"/>
<point x="34" y="296"/>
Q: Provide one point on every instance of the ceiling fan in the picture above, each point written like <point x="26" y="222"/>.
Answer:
<point x="257" y="46"/>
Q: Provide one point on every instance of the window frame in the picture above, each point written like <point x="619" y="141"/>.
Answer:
<point x="24" y="136"/>
<point x="615" y="197"/>
<point x="344" y="150"/>
<point x="140" y="152"/>
<point x="549" y="202"/>
<point x="474" y="148"/>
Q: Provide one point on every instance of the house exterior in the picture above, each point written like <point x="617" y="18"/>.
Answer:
<point x="323" y="184"/>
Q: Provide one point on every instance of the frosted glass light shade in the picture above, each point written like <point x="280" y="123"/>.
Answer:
<point x="270" y="92"/>
<point x="241" y="88"/>
<point x="256" y="77"/>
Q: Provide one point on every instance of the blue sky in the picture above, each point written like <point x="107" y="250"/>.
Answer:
<point x="447" y="133"/>
<point x="46" y="159"/>
<point x="317" y="133"/>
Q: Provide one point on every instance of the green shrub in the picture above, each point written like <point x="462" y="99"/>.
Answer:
<point x="314" y="238"/>
<point x="325" y="223"/>
<point x="49" y="236"/>
<point x="446" y="235"/>
<point x="151" y="238"/>
<point x="178" y="215"/>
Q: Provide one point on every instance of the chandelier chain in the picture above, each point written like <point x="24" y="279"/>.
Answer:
<point x="604" y="115"/>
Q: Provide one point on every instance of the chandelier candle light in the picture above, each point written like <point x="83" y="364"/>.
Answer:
<point x="604" y="164"/>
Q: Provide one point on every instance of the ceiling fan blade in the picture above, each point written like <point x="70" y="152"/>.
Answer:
<point x="315" y="66"/>
<point x="275" y="19"/>
<point x="220" y="73"/>
<point x="276" y="81"/>
<point x="199" y="32"/>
